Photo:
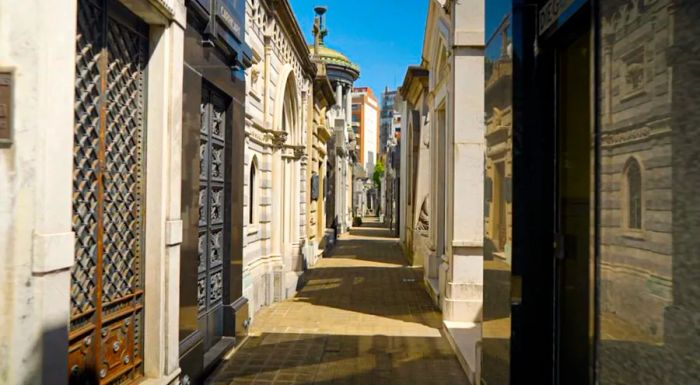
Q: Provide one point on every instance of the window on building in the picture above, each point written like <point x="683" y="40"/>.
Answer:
<point x="252" y="190"/>
<point x="633" y="187"/>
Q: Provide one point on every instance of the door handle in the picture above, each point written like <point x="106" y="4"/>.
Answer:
<point x="559" y="246"/>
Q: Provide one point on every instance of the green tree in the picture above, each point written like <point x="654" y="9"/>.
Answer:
<point x="378" y="172"/>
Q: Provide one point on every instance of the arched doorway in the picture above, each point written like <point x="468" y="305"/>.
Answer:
<point x="286" y="169"/>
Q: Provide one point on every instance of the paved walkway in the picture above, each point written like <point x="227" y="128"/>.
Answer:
<point x="362" y="318"/>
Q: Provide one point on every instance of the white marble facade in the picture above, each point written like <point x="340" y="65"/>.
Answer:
<point x="448" y="211"/>
<point x="37" y="241"/>
<point x="279" y="93"/>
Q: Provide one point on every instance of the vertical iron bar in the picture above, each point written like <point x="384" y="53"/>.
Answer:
<point x="99" y="254"/>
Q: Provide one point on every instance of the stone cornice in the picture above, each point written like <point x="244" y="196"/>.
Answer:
<point x="415" y="75"/>
<point x="158" y="12"/>
<point x="285" y="16"/>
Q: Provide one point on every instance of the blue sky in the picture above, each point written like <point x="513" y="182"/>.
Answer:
<point x="383" y="37"/>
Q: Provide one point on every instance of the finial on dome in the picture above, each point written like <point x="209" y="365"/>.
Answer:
<point x="319" y="29"/>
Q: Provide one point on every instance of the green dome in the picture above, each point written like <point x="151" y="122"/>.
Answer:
<point x="332" y="56"/>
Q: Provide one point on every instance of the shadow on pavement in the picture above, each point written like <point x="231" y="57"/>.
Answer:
<point x="329" y="359"/>
<point x="362" y="317"/>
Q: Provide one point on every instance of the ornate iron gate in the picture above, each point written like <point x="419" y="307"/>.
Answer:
<point x="212" y="216"/>
<point x="106" y="328"/>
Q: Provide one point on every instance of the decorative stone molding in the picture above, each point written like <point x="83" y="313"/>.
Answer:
<point x="633" y="67"/>
<point x="626" y="136"/>
<point x="257" y="137"/>
<point x="278" y="138"/>
<point x="254" y="75"/>
<point x="299" y="152"/>
<point x="341" y="151"/>
<point x="256" y="81"/>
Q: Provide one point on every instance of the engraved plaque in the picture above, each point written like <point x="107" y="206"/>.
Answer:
<point x="5" y="107"/>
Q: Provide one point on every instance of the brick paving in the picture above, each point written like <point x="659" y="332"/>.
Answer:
<point x="362" y="318"/>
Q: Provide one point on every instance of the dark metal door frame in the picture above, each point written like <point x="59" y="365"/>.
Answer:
<point x="579" y="23"/>
<point x="534" y="321"/>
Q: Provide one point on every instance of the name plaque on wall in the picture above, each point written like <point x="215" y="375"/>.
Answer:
<point x="5" y="107"/>
<point x="225" y="20"/>
<point x="553" y="10"/>
<point x="230" y="14"/>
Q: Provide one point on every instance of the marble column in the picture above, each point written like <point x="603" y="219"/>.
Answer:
<point x="339" y="94"/>
<point x="348" y="104"/>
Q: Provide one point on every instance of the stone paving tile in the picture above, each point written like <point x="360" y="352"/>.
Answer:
<point x="362" y="318"/>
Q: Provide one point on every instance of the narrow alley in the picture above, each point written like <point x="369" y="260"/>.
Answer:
<point x="413" y="192"/>
<point x="362" y="317"/>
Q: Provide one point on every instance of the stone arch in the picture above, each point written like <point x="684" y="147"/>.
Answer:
<point x="287" y="113"/>
<point x="439" y="53"/>
<point x="286" y="185"/>
<point x="440" y="60"/>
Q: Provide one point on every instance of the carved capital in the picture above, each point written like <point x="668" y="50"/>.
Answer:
<point x="340" y="151"/>
<point x="299" y="152"/>
<point x="278" y="139"/>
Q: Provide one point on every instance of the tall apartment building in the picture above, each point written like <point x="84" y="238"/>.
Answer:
<point x="365" y="122"/>
<point x="390" y="119"/>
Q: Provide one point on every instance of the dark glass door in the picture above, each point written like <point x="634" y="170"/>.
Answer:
<point x="212" y="216"/>
<point x="573" y="300"/>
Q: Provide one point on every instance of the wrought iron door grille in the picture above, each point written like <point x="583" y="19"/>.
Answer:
<point x="212" y="215"/>
<point x="107" y="278"/>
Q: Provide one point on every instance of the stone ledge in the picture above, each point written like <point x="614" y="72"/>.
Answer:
<point x="52" y="252"/>
<point x="461" y="310"/>
<point x="465" y="38"/>
<point x="465" y="291"/>
<point x="155" y="12"/>
<point x="173" y="232"/>
<point x="432" y="286"/>
<point x="465" y="340"/>
<point x="171" y="378"/>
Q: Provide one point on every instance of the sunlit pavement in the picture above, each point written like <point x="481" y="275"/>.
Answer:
<point x="362" y="318"/>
